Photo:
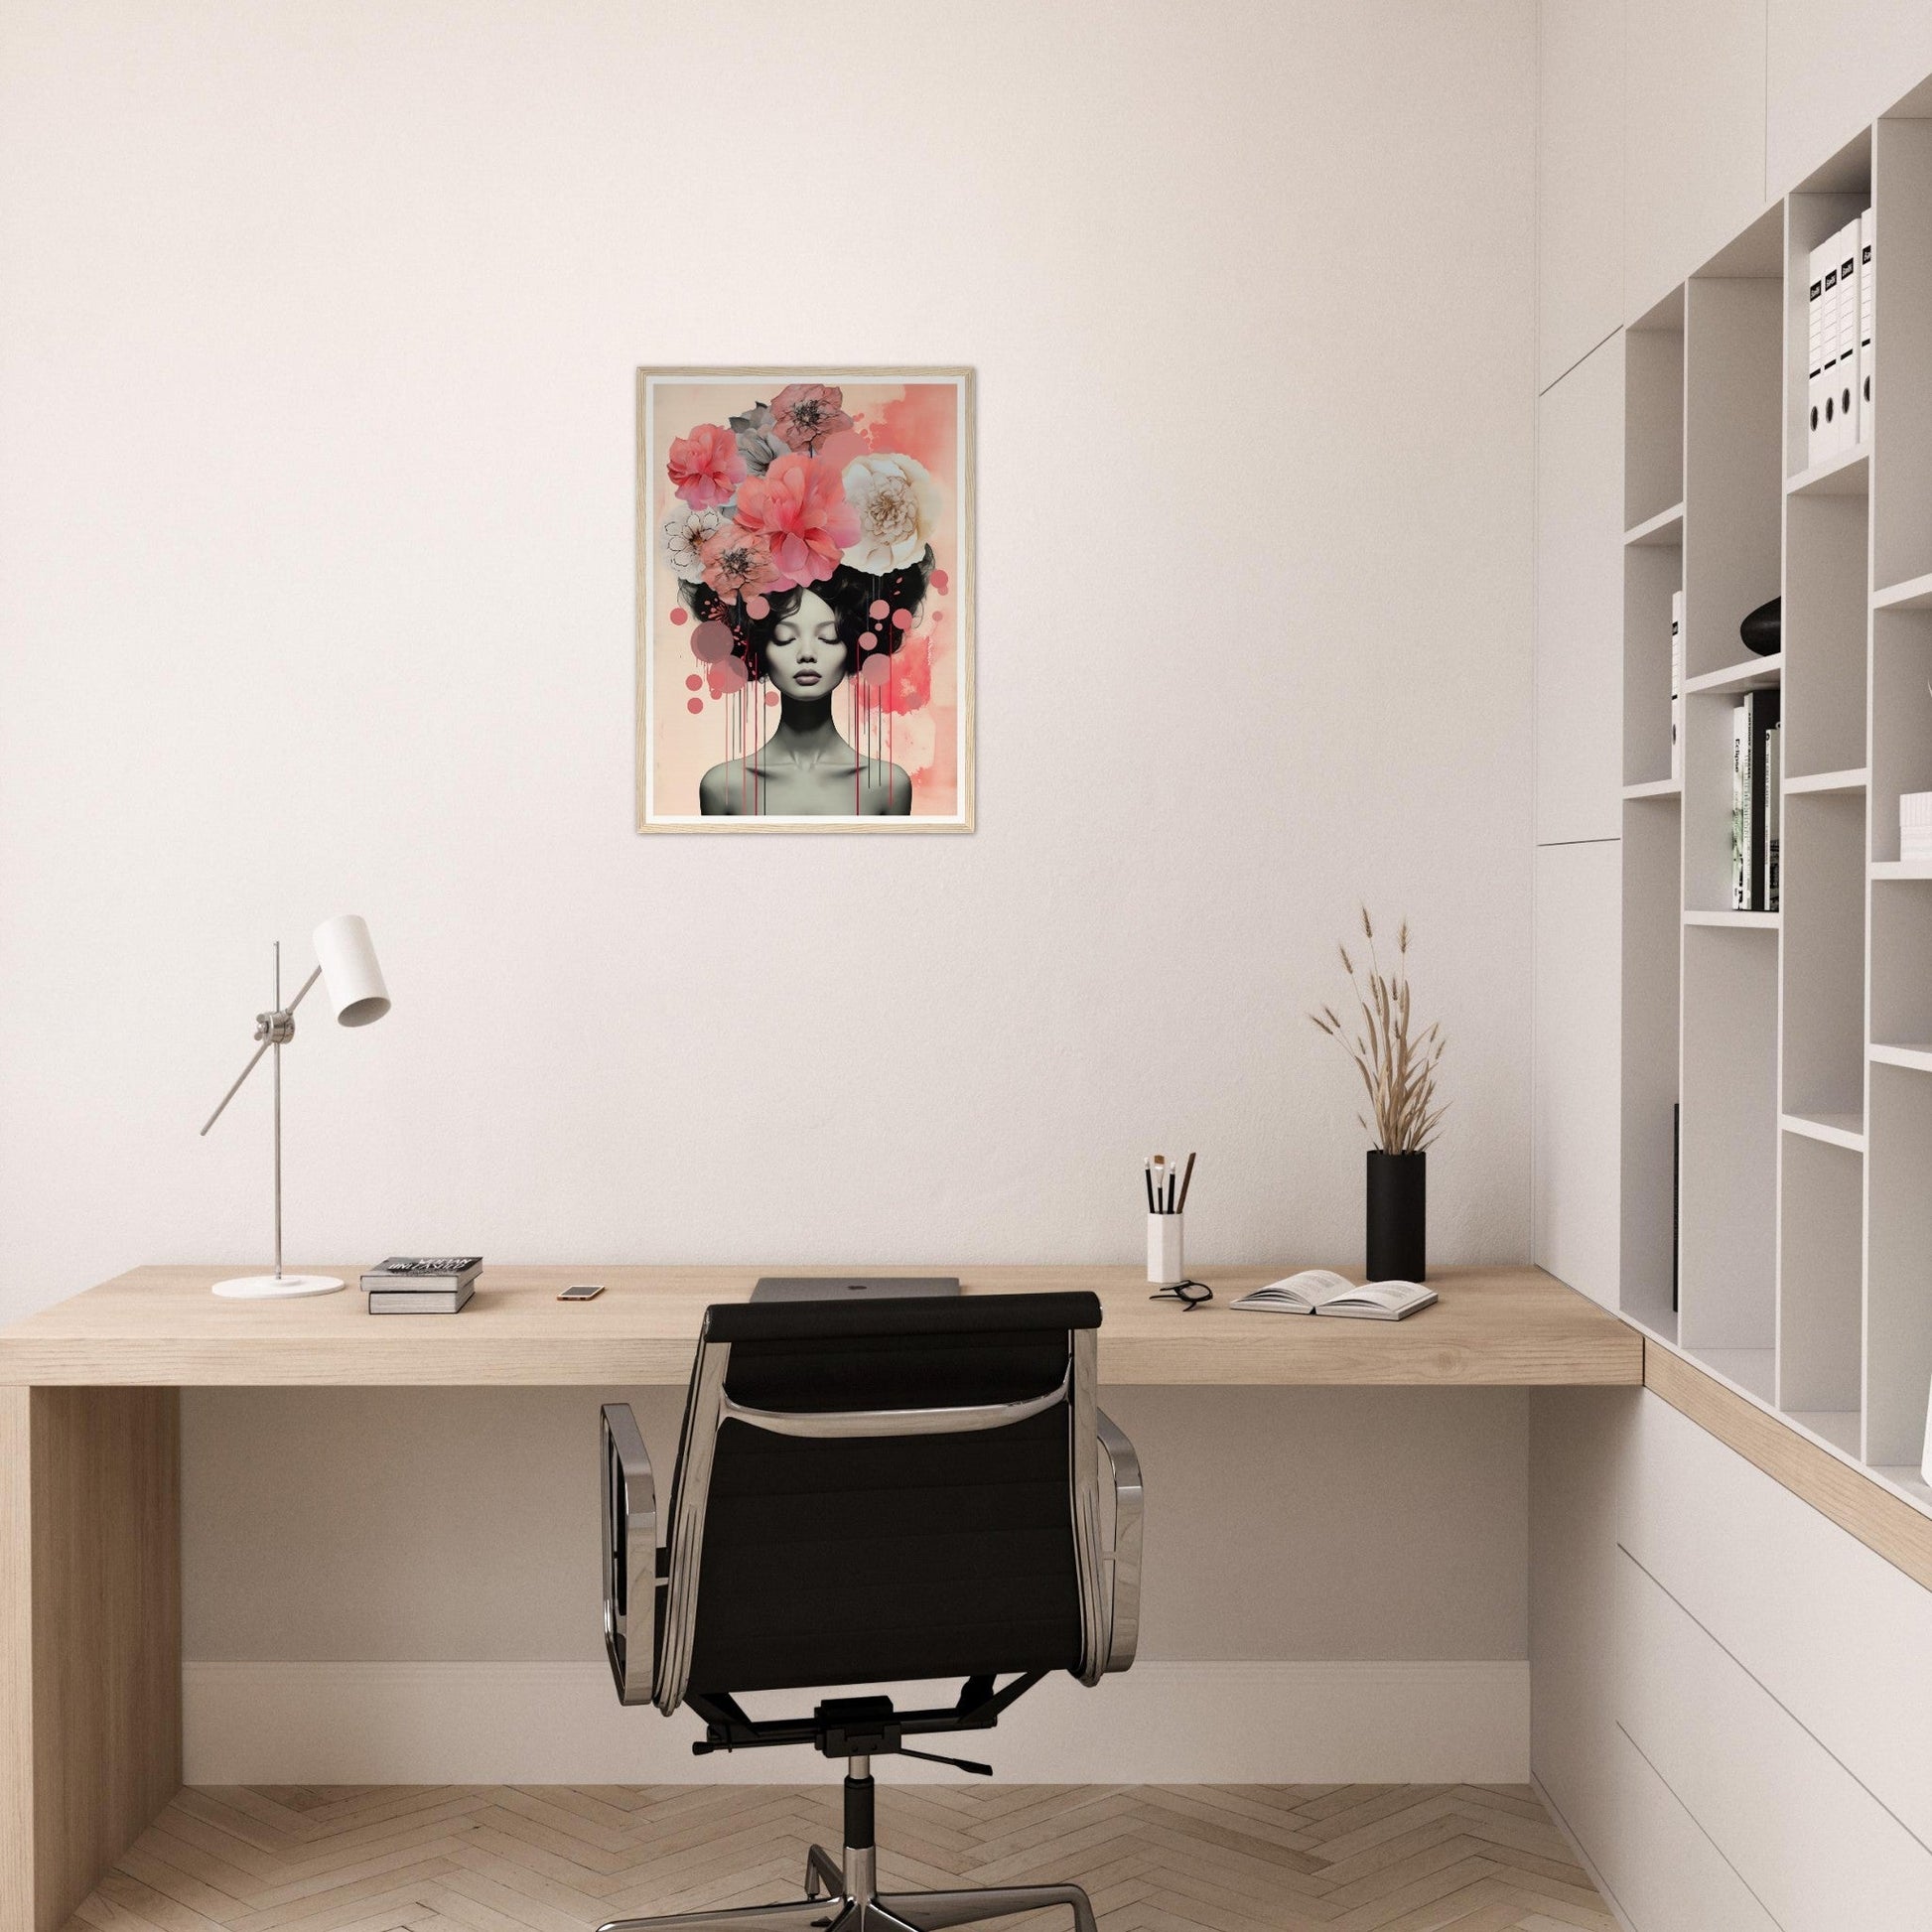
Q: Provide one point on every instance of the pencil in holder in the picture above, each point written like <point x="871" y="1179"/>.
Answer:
<point x="1166" y="1249"/>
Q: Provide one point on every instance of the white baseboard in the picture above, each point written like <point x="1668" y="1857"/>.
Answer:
<point x="561" y="1723"/>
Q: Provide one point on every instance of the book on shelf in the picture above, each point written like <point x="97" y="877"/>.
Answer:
<point x="1741" y="810"/>
<point x="420" y="1301"/>
<point x="1320" y="1291"/>
<point x="1773" y="811"/>
<point x="1677" y="686"/>
<point x="1752" y="818"/>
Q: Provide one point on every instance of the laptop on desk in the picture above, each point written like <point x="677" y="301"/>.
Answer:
<point x="847" y="1288"/>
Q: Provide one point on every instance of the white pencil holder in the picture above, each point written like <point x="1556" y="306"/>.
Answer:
<point x="1166" y="1250"/>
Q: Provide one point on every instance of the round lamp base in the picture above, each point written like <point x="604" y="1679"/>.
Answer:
<point x="272" y="1288"/>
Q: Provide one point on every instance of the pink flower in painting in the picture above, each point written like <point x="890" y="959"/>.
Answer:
<point x="737" y="559"/>
<point x="705" y="466"/>
<point x="806" y="413"/>
<point x="799" y="507"/>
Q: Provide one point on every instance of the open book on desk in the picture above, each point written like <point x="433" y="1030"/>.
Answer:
<point x="1320" y="1291"/>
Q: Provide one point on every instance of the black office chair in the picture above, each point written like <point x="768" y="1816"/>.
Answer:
<point x="867" y="1494"/>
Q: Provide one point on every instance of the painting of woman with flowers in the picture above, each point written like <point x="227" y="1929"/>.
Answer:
<point x="805" y="599"/>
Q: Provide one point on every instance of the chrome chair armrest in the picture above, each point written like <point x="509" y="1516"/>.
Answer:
<point x="630" y="1554"/>
<point x="1124" y="1559"/>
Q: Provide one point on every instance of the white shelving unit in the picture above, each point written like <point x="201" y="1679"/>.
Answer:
<point x="1797" y="1043"/>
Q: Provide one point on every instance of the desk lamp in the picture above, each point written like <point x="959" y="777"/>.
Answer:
<point x="353" y="981"/>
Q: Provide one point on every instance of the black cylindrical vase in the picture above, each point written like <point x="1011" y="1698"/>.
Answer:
<point x="1397" y="1217"/>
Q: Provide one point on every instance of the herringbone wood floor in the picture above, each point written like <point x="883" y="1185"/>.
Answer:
<point x="558" y="1859"/>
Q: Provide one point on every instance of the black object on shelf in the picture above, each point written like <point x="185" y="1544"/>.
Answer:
<point x="1397" y="1217"/>
<point x="1763" y="630"/>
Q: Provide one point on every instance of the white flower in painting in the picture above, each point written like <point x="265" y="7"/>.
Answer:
<point x="684" y="538"/>
<point x="897" y="507"/>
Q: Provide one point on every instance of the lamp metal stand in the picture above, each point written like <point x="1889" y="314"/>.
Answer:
<point x="273" y="1029"/>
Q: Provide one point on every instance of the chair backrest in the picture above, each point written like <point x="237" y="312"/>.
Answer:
<point x="898" y="1489"/>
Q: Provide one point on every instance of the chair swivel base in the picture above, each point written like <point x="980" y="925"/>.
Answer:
<point x="843" y="1900"/>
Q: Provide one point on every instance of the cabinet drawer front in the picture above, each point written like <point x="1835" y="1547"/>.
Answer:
<point x="1814" y="1846"/>
<point x="1669" y="1877"/>
<point x="1837" y="1635"/>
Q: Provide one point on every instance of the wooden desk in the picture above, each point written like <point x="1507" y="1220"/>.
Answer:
<point x="161" y="1327"/>
<point x="90" y="1460"/>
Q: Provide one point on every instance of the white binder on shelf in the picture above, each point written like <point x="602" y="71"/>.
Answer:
<point x="1815" y="355"/>
<point x="1677" y="686"/>
<point x="1867" y="299"/>
<point x="1846" y="391"/>
<point x="1828" y="419"/>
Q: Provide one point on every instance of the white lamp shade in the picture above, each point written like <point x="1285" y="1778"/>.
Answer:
<point x="349" y="975"/>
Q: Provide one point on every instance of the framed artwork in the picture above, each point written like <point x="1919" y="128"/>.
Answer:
<point x="805" y="599"/>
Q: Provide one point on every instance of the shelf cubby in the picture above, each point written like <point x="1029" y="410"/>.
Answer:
<point x="1901" y="401"/>
<point x="1898" y="1292"/>
<point x="1820" y="1241"/>
<point x="1901" y="963"/>
<point x="1706" y="730"/>
<point x="1822" y="917"/>
<point x="1652" y="854"/>
<point x="1836" y="194"/>
<point x="1653" y="414"/>
<point x="1826" y="613"/>
<point x="1901" y="718"/>
<point x="1734" y="476"/>
<point x="1651" y="574"/>
<point x="1728" y="1224"/>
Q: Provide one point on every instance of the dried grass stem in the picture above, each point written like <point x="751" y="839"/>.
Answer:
<point x="1398" y="1066"/>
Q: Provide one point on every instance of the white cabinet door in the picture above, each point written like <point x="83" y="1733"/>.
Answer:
<point x="1579" y="180"/>
<point x="1577" y="1449"/>
<point x="1575" y="1111"/>
<point x="1693" y="137"/>
<point x="1834" y="67"/>
<point x="1578" y="753"/>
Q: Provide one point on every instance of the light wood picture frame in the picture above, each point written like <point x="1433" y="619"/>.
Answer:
<point x="805" y="636"/>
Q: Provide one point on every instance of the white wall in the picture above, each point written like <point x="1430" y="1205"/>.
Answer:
<point x="315" y="459"/>
<point x="316" y="495"/>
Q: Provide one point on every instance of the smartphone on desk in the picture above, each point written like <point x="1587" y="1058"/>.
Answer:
<point x="582" y="1292"/>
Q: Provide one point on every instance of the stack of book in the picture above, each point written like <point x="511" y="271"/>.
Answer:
<point x="421" y="1284"/>
<point x="1755" y="804"/>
